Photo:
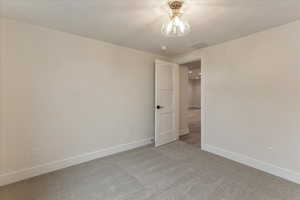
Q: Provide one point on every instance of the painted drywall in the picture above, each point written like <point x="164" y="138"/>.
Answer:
<point x="63" y="96"/>
<point x="251" y="105"/>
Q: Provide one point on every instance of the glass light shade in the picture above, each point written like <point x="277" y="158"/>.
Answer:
<point x="176" y="27"/>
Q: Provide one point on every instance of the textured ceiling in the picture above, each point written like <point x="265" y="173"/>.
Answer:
<point x="136" y="23"/>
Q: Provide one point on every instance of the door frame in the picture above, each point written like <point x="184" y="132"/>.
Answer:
<point x="203" y="99"/>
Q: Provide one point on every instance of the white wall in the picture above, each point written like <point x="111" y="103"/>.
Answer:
<point x="252" y="94"/>
<point x="65" y="98"/>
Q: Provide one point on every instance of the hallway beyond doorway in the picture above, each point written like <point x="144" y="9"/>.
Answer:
<point x="194" y="136"/>
<point x="190" y="103"/>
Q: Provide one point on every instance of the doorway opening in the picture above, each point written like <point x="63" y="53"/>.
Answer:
<point x="190" y="103"/>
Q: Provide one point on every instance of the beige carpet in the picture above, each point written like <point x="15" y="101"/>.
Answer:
<point x="176" y="171"/>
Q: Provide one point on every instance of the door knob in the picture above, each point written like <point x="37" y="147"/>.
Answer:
<point x="159" y="107"/>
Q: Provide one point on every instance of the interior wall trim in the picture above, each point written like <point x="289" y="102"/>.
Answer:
<point x="23" y="174"/>
<point x="260" y="165"/>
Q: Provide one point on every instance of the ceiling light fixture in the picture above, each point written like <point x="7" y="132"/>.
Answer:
<point x="176" y="27"/>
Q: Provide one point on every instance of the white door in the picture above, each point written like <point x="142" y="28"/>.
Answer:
<point x="166" y="102"/>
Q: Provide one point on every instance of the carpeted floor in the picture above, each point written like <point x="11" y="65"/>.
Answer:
<point x="176" y="171"/>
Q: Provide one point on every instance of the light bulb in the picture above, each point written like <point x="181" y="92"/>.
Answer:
<point x="176" y="27"/>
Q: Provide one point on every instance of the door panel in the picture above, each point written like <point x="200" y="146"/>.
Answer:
<point x="166" y="100"/>
<point x="165" y="77"/>
<point x="166" y="123"/>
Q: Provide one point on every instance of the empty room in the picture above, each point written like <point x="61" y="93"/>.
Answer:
<point x="149" y="100"/>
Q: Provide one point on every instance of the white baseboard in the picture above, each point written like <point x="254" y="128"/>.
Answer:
<point x="184" y="131"/>
<point x="19" y="175"/>
<point x="261" y="165"/>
